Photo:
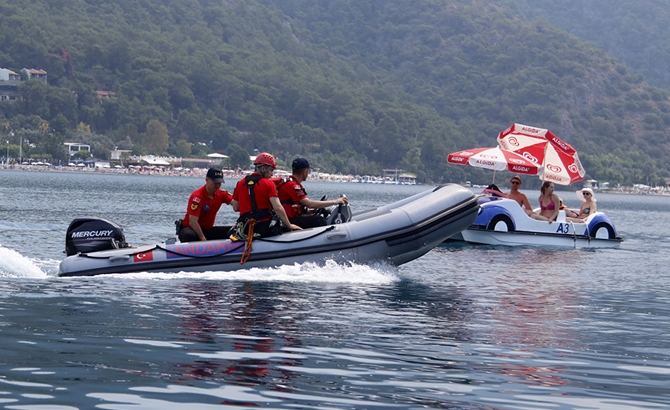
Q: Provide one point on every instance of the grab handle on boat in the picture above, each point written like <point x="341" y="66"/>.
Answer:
<point x="119" y="258"/>
<point x="336" y="236"/>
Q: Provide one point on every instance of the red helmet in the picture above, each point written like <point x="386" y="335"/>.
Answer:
<point x="265" y="159"/>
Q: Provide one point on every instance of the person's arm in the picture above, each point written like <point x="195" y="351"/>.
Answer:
<point x="526" y="203"/>
<point x="322" y="204"/>
<point x="592" y="209"/>
<point x="279" y="210"/>
<point x="195" y="225"/>
<point x="236" y="205"/>
<point x="552" y="216"/>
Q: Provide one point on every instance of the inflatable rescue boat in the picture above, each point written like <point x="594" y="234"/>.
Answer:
<point x="395" y="233"/>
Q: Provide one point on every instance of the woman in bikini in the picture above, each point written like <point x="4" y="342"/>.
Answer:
<point x="549" y="202"/>
<point x="588" y="206"/>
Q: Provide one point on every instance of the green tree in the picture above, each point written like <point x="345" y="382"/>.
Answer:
<point x="83" y="129"/>
<point x="83" y="154"/>
<point x="238" y="157"/>
<point x="183" y="148"/>
<point x="156" y="137"/>
<point x="411" y="162"/>
<point x="54" y="144"/>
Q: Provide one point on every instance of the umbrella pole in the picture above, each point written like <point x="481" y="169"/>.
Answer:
<point x="494" y="177"/>
<point x="544" y="162"/>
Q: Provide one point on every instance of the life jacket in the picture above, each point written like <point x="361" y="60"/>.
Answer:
<point x="279" y="182"/>
<point x="258" y="214"/>
<point x="297" y="206"/>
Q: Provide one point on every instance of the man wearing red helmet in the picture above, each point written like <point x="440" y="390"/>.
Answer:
<point x="255" y="197"/>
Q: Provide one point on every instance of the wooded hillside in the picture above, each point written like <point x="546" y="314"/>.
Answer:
<point x="355" y="85"/>
<point x="635" y="32"/>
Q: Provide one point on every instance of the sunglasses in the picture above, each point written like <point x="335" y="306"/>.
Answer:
<point x="515" y="182"/>
<point x="586" y="193"/>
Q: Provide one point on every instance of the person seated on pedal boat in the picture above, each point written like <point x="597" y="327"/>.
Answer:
<point x="521" y="198"/>
<point x="549" y="203"/>
<point x="588" y="206"/>
<point x="492" y="190"/>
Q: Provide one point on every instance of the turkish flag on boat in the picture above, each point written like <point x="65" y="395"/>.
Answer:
<point x="143" y="257"/>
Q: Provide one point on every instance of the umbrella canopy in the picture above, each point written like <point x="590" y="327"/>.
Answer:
<point x="496" y="159"/>
<point x="559" y="162"/>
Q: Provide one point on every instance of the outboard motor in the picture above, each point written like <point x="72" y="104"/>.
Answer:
<point x="93" y="234"/>
<point x="338" y="214"/>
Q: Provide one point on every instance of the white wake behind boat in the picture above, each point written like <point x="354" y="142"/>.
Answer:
<point x="501" y="221"/>
<point x="396" y="233"/>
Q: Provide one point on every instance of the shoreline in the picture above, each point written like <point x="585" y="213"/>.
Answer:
<point x="195" y="172"/>
<point x="201" y="172"/>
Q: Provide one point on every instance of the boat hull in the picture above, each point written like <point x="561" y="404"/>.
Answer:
<point x="395" y="234"/>
<point x="503" y="222"/>
<point x="537" y="239"/>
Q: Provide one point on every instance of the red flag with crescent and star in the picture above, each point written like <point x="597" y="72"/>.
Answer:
<point x="143" y="257"/>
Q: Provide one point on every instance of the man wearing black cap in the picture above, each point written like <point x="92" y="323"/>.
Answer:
<point x="204" y="203"/>
<point x="295" y="201"/>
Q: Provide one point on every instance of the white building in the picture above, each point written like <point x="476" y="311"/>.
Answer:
<point x="9" y="75"/>
<point x="118" y="154"/>
<point x="74" y="147"/>
<point x="9" y="80"/>
<point x="34" y="74"/>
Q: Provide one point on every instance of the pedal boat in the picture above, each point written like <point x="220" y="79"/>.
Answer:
<point x="502" y="221"/>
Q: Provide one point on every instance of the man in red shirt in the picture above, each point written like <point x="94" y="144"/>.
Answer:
<point x="255" y="197"/>
<point x="294" y="199"/>
<point x="204" y="203"/>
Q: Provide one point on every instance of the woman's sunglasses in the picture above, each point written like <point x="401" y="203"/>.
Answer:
<point x="515" y="182"/>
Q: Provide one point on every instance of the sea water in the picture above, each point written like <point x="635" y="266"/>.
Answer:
<point x="477" y="327"/>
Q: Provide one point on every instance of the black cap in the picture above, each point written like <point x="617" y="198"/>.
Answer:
<point x="215" y="174"/>
<point x="300" y="163"/>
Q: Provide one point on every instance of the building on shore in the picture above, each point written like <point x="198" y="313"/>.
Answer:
<point x="9" y="80"/>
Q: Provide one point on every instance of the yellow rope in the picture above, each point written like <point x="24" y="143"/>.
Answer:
<point x="249" y="239"/>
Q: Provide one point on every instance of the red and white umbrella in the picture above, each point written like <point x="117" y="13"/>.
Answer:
<point x="559" y="162"/>
<point x="496" y="159"/>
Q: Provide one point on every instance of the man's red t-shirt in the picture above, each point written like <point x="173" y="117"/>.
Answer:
<point x="204" y="207"/>
<point x="290" y="195"/>
<point x="264" y="189"/>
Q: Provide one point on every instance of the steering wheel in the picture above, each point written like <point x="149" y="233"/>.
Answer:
<point x="322" y="211"/>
